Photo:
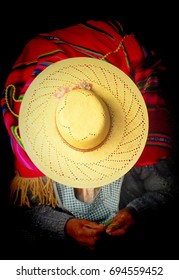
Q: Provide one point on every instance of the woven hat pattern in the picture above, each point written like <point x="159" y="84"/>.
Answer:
<point x="71" y="167"/>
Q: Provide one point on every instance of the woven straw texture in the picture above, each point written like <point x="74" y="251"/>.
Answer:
<point x="59" y="161"/>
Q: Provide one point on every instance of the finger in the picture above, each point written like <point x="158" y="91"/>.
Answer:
<point x="117" y="232"/>
<point x="92" y="225"/>
<point x="113" y="227"/>
<point x="94" y="233"/>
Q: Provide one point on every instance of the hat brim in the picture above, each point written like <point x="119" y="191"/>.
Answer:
<point x="59" y="161"/>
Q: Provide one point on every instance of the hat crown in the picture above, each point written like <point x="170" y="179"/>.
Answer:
<point x="83" y="119"/>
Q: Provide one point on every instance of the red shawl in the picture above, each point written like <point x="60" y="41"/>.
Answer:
<point x="99" y="40"/>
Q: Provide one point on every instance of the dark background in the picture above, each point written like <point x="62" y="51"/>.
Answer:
<point x="156" y="28"/>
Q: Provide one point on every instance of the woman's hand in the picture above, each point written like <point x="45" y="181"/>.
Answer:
<point x="123" y="222"/>
<point x="85" y="232"/>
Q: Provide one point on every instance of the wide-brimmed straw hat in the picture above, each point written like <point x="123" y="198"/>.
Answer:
<point x="83" y="122"/>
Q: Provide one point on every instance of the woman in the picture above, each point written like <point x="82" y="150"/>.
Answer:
<point x="60" y="213"/>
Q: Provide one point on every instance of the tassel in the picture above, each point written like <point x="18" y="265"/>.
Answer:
<point x="40" y="188"/>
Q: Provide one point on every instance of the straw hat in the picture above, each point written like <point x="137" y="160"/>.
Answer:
<point x="83" y="122"/>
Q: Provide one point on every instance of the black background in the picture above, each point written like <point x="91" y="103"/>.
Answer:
<point x="156" y="27"/>
<point x="155" y="24"/>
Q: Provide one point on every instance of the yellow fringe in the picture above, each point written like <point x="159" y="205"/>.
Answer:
<point x="42" y="190"/>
